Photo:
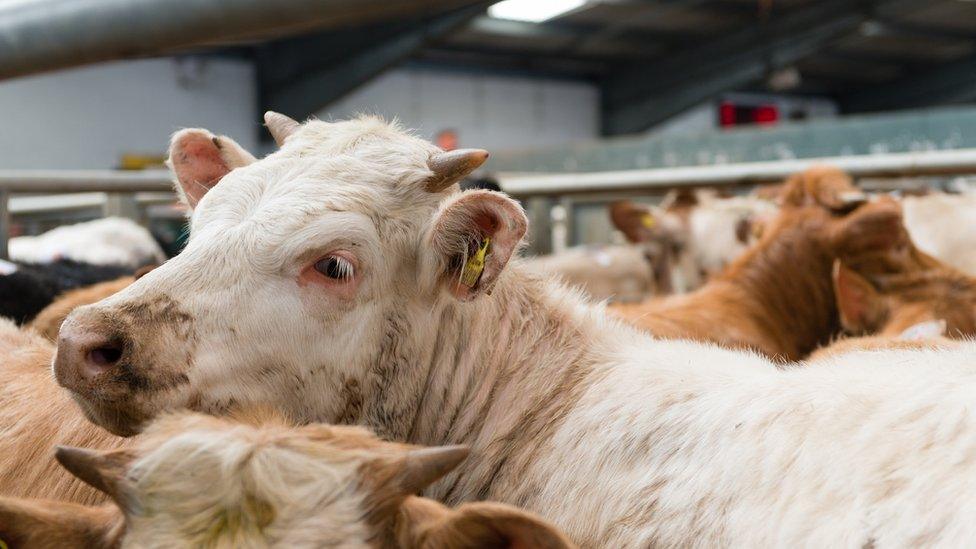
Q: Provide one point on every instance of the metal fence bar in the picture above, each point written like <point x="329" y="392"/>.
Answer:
<point x="913" y="164"/>
<point x="4" y="223"/>
<point x="81" y="181"/>
<point x="72" y="181"/>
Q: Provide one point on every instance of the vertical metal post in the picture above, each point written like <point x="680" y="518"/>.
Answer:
<point x="560" y="226"/>
<point x="122" y="205"/>
<point x="540" y="238"/>
<point x="4" y="223"/>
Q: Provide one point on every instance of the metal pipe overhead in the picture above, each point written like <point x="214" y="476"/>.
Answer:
<point x="42" y="35"/>
<point x="911" y="164"/>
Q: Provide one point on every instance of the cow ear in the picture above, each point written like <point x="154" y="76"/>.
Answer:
<point x="635" y="221"/>
<point x="102" y="470"/>
<point x="426" y="524"/>
<point x="472" y="237"/>
<point x="200" y="159"/>
<point x="861" y="306"/>
<point x="46" y="523"/>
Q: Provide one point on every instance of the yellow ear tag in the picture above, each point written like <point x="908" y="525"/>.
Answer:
<point x="475" y="265"/>
<point x="648" y="221"/>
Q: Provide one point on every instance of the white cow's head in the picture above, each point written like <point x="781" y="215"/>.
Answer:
<point x="299" y="277"/>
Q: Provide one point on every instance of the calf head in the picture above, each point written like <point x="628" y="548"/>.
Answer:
<point x="267" y="485"/>
<point x="661" y="235"/>
<point x="303" y="272"/>
<point x="936" y="301"/>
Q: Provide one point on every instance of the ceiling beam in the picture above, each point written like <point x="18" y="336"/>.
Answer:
<point x="299" y="77"/>
<point x="951" y="83"/>
<point x="636" y="99"/>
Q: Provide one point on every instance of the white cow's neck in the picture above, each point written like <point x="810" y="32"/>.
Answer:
<point x="497" y="374"/>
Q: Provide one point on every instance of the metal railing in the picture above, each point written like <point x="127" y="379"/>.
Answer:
<point x="72" y="181"/>
<point x="535" y="186"/>
<point x="912" y="164"/>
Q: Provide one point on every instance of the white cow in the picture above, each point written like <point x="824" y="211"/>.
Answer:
<point x="107" y="241"/>
<point x="343" y="278"/>
<point x="944" y="225"/>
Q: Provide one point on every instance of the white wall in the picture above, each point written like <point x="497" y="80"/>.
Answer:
<point x="88" y="117"/>
<point x="493" y="112"/>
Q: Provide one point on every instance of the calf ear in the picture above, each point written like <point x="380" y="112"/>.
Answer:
<point x="50" y="524"/>
<point x="636" y="221"/>
<point x="860" y="305"/>
<point x="200" y="159"/>
<point x="104" y="471"/>
<point x="472" y="237"/>
<point x="425" y="524"/>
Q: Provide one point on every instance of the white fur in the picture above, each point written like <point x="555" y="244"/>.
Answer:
<point x="108" y="241"/>
<point x="944" y="226"/>
<point x="712" y="225"/>
<point x="620" y="273"/>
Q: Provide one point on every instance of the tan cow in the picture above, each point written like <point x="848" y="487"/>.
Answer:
<point x="36" y="415"/>
<point x="198" y="481"/>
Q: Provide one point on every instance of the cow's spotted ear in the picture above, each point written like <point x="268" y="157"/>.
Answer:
<point x="471" y="238"/>
<point x="48" y="523"/>
<point x="425" y="523"/>
<point x="200" y="159"/>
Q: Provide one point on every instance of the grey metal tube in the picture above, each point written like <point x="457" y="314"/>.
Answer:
<point x="4" y="224"/>
<point x="910" y="164"/>
<point x="43" y="35"/>
<point x="79" y="181"/>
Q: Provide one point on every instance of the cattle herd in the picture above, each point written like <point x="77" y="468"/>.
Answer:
<point x="349" y="352"/>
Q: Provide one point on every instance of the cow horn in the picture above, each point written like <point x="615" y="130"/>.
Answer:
<point x="280" y="126"/>
<point x="450" y="167"/>
<point x="424" y="466"/>
<point x="854" y="198"/>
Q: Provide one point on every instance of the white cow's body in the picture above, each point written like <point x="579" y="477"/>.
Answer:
<point x="944" y="226"/>
<point x="619" y="273"/>
<point x="620" y="439"/>
<point x="108" y="241"/>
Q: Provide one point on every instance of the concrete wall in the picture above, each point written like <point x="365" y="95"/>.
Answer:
<point x="489" y="111"/>
<point x="88" y="117"/>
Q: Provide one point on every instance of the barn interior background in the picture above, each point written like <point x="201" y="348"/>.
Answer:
<point x="580" y="101"/>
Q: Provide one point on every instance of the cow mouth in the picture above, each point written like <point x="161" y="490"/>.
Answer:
<point x="109" y="416"/>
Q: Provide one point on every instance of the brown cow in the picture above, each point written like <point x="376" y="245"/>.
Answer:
<point x="778" y="298"/>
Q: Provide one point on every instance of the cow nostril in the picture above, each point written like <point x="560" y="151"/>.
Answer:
<point x="105" y="356"/>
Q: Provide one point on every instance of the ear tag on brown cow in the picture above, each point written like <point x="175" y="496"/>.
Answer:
<point x="475" y="264"/>
<point x="648" y="221"/>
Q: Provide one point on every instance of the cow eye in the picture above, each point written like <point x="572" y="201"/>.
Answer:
<point x="334" y="267"/>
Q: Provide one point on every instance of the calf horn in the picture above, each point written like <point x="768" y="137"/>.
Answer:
<point x="280" y="126"/>
<point x="450" y="167"/>
<point x="422" y="467"/>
